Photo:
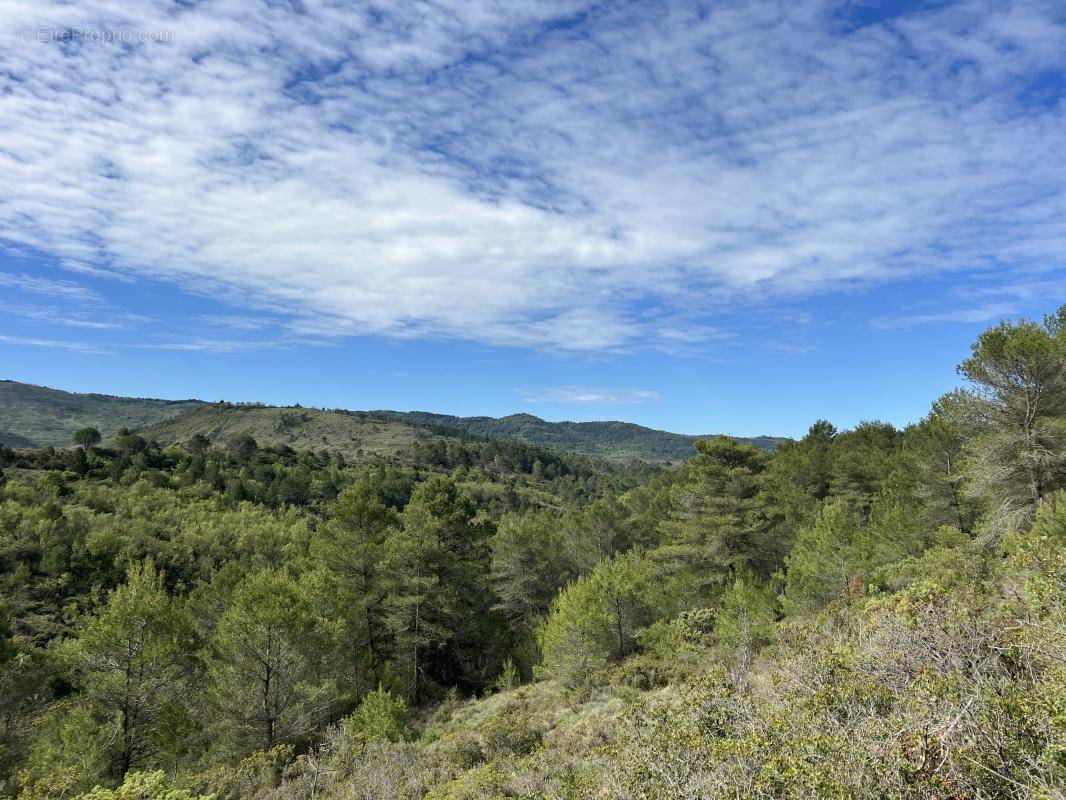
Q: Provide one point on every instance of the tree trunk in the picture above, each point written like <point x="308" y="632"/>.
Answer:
<point x="956" y="503"/>
<point x="267" y="715"/>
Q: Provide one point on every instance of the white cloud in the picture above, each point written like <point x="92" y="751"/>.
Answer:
<point x="76" y="347"/>
<point x="794" y="347"/>
<point x="210" y="345"/>
<point x="469" y="170"/>
<point x="62" y="289"/>
<point x="236" y="322"/>
<point x="55" y="316"/>
<point x="581" y="395"/>
<point x="980" y="314"/>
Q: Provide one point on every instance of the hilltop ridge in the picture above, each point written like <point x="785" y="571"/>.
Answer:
<point x="38" y="416"/>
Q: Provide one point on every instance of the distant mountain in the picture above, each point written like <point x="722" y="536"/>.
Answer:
<point x="617" y="441"/>
<point x="35" y="416"/>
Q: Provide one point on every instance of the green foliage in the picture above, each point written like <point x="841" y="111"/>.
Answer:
<point x="597" y="619"/>
<point x="26" y="680"/>
<point x="380" y="716"/>
<point x="142" y="786"/>
<point x="716" y="523"/>
<point x="864" y="614"/>
<point x="69" y="752"/>
<point x="797" y="479"/>
<point x="436" y="565"/>
<point x="930" y="470"/>
<point x="745" y="620"/>
<point x="824" y="559"/>
<point x="351" y="547"/>
<point x="130" y="660"/>
<point x="861" y="463"/>
<point x="1016" y="404"/>
<point x="87" y="437"/>
<point x="575" y="640"/>
<point x="825" y="718"/>
<point x="267" y="664"/>
<point x="531" y="561"/>
<point x="509" y="677"/>
<point x="7" y="647"/>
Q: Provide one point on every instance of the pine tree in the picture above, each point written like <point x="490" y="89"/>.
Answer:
<point x="597" y="618"/>
<point x="87" y="437"/>
<point x="823" y="559"/>
<point x="529" y="565"/>
<point x="744" y="622"/>
<point x="439" y="600"/>
<point x="930" y="470"/>
<point x="352" y="548"/>
<point x="717" y="524"/>
<point x="131" y="659"/>
<point x="1016" y="411"/>
<point x="268" y="662"/>
<point x="861" y="463"/>
<point x="797" y="479"/>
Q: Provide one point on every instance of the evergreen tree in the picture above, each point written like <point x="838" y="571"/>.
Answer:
<point x="597" y="618"/>
<point x="797" y="479"/>
<point x="87" y="437"/>
<point x="598" y="532"/>
<point x="823" y="561"/>
<point x="717" y="524"/>
<point x="1016" y="411"/>
<point x="438" y="596"/>
<point x="930" y="470"/>
<point x="352" y="548"/>
<point x="862" y="461"/>
<point x="269" y="661"/>
<point x="7" y="645"/>
<point x="131" y="659"/>
<point x="529" y="565"/>
<point x="381" y="716"/>
<point x="744" y="622"/>
<point x="575" y="639"/>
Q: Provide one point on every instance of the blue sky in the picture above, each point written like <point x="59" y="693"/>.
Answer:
<point x="731" y="217"/>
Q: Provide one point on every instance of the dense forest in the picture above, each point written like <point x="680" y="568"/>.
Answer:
<point x="863" y="613"/>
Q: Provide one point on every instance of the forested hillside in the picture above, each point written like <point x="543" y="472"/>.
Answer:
<point x="866" y="613"/>
<point x="354" y="436"/>
<point x="34" y="416"/>
<point x="618" y="441"/>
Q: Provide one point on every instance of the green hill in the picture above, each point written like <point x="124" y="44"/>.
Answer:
<point x="14" y="440"/>
<point x="298" y="428"/>
<point x="617" y="441"/>
<point x="36" y="416"/>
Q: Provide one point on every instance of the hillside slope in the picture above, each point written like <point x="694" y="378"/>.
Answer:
<point x="298" y="428"/>
<point x="619" y="441"/>
<point x="36" y="416"/>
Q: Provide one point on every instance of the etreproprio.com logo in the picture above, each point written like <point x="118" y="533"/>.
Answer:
<point x="28" y="33"/>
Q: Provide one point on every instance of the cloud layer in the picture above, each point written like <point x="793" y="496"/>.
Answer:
<point x="588" y="395"/>
<point x="544" y="174"/>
